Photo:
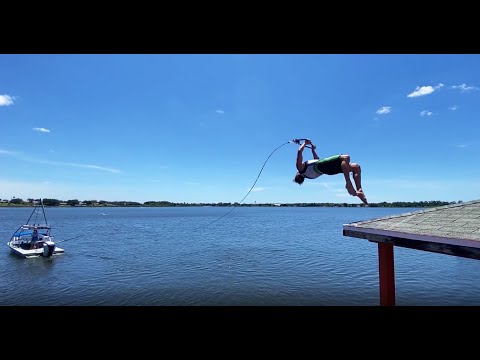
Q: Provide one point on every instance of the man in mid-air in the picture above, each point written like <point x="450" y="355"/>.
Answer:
<point x="332" y="165"/>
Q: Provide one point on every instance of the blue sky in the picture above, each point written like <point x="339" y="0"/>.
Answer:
<point x="199" y="128"/>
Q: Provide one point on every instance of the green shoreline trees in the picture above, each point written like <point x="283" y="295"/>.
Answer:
<point x="163" y="203"/>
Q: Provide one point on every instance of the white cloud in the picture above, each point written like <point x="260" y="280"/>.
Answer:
<point x="453" y="108"/>
<point x="191" y="183"/>
<point x="424" y="90"/>
<point x="220" y="111"/>
<point x="462" y="146"/>
<point x="426" y="113"/>
<point x="41" y="130"/>
<point x="9" y="153"/>
<point x="384" y="110"/>
<point x="86" y="166"/>
<point x="464" y="88"/>
<point x="6" y="100"/>
<point x="258" y="189"/>
<point x="58" y="163"/>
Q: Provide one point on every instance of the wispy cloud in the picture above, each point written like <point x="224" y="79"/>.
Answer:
<point x="85" y="166"/>
<point x="409" y="183"/>
<point x="453" y="108"/>
<point x="331" y="185"/>
<point x="258" y="189"/>
<point x="191" y="183"/>
<point x="384" y="110"/>
<point x="220" y="111"/>
<point x="6" y="100"/>
<point x="426" y="113"/>
<point x="424" y="90"/>
<point x="6" y="152"/>
<point x="41" y="130"/>
<point x="465" y="88"/>
<point x="466" y="143"/>
<point x="156" y="181"/>
<point x="22" y="157"/>
<point x="328" y="185"/>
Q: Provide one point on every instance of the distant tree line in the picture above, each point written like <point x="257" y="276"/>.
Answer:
<point x="102" y="203"/>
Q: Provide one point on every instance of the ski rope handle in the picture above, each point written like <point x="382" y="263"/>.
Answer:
<point x="297" y="141"/>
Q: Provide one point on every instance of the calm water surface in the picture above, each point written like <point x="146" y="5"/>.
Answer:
<point x="252" y="256"/>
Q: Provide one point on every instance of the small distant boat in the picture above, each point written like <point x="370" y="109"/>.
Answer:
<point x="34" y="239"/>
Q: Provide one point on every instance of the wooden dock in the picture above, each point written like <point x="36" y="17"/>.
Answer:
<point x="450" y="229"/>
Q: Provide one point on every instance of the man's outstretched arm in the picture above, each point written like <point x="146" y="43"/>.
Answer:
<point x="315" y="156"/>
<point x="300" y="165"/>
<point x="300" y="157"/>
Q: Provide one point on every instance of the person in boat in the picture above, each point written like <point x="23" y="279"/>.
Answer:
<point x="332" y="165"/>
<point x="33" y="243"/>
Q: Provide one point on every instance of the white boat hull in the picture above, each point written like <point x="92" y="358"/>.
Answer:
<point x="27" y="253"/>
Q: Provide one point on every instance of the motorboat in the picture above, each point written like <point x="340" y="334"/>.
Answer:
<point x="34" y="238"/>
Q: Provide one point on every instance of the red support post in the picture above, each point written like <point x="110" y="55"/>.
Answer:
<point x="386" y="274"/>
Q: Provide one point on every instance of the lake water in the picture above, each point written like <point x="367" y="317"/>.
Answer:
<point x="259" y="256"/>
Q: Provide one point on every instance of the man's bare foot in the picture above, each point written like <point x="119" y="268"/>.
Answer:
<point x="351" y="190"/>
<point x="362" y="197"/>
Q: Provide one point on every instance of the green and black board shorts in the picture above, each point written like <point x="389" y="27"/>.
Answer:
<point x="331" y="165"/>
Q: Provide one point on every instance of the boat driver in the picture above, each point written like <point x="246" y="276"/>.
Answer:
<point x="34" y="238"/>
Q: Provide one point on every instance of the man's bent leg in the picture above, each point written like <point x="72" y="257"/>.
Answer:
<point x="345" y="164"/>
<point x="357" y="178"/>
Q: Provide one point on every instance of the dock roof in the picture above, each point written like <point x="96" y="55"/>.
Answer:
<point x="451" y="229"/>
